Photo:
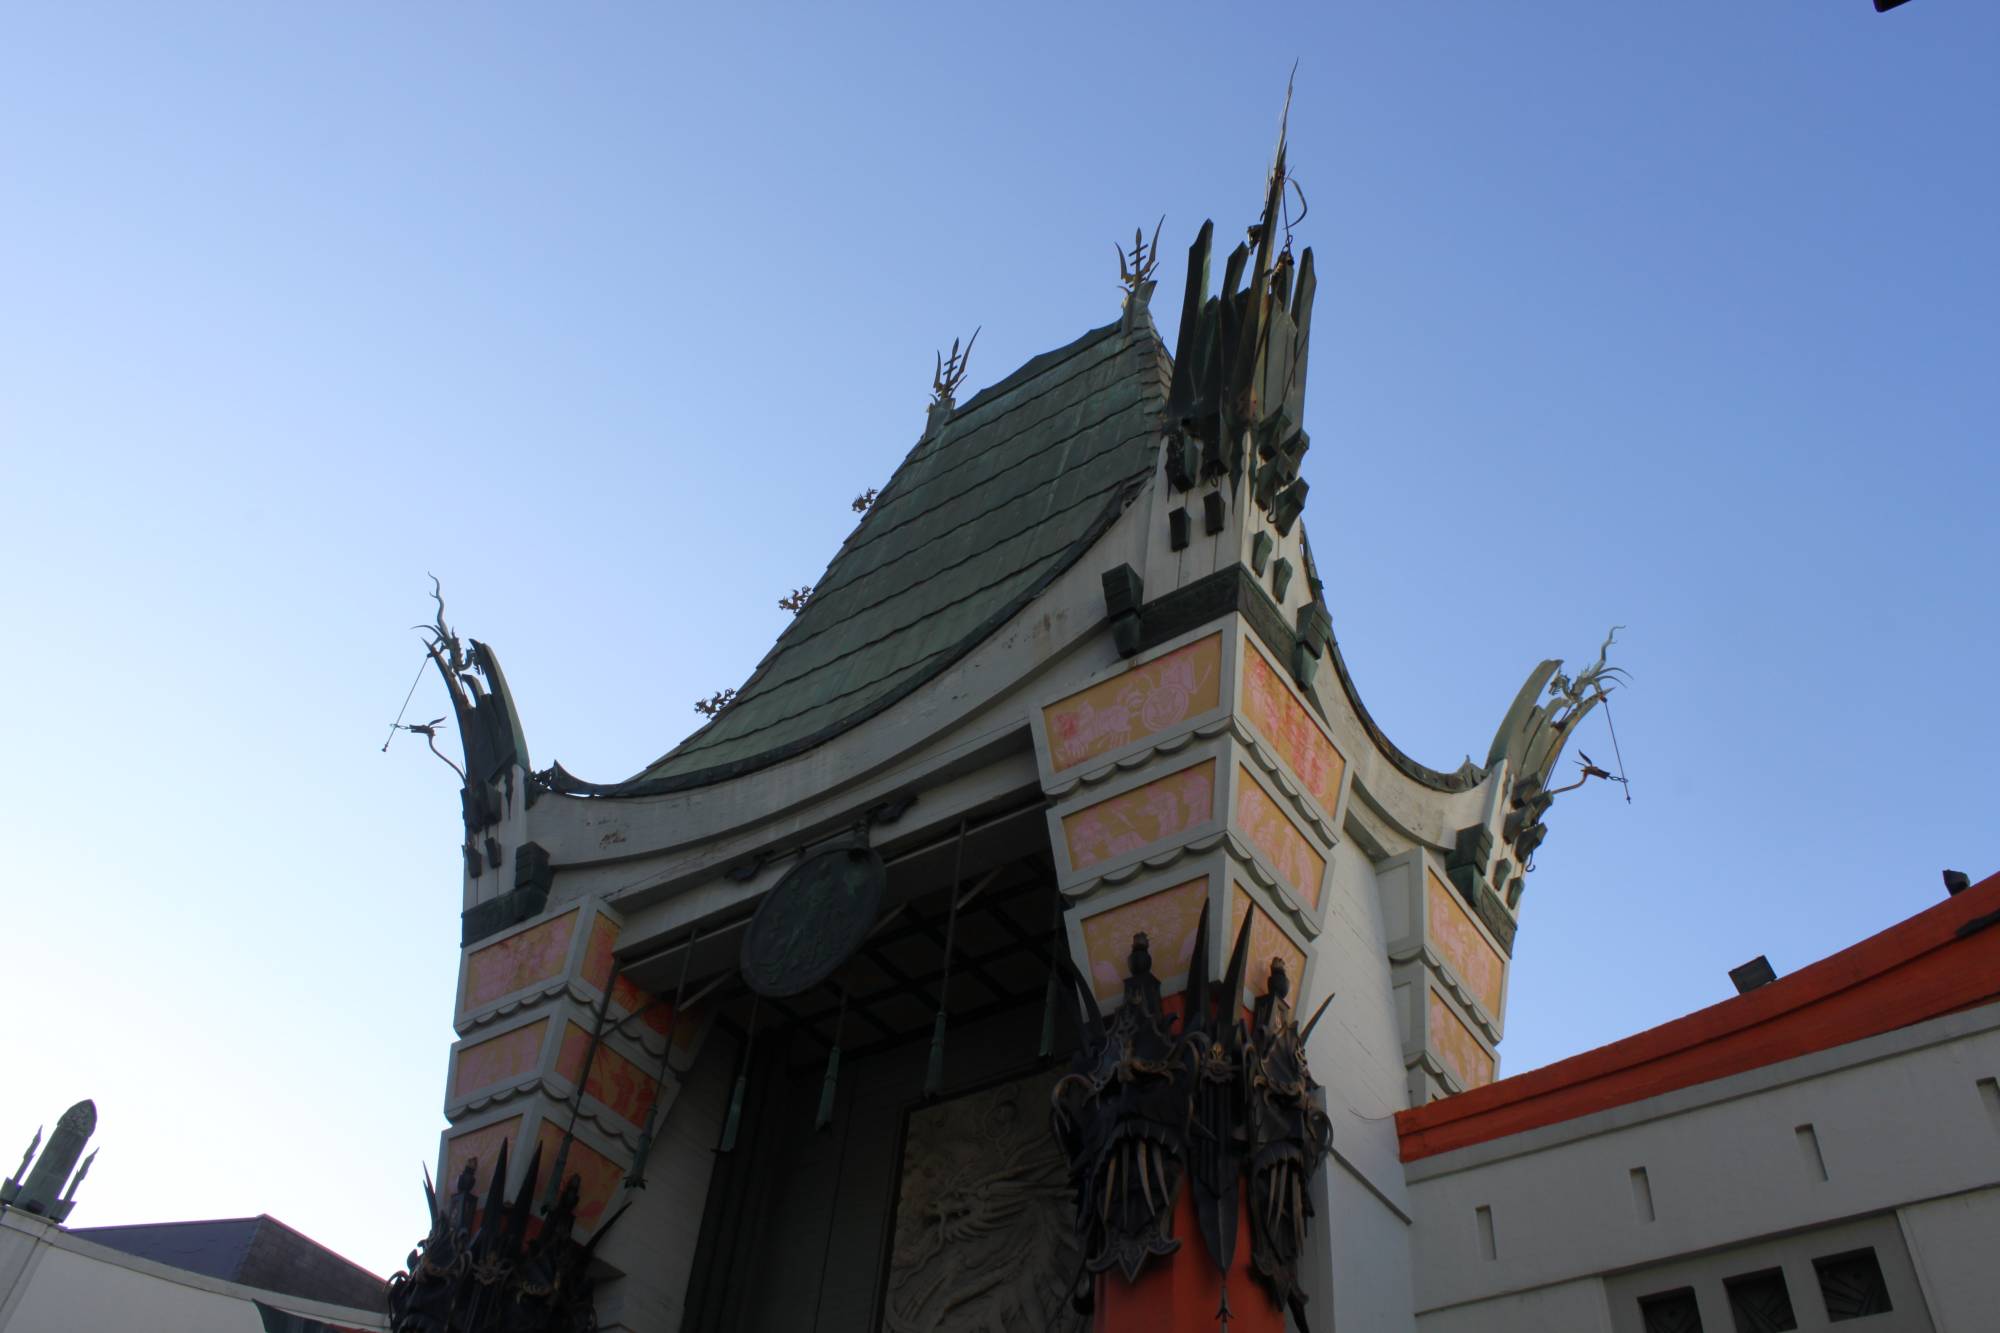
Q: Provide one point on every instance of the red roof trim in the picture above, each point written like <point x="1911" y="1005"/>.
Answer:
<point x="1918" y="969"/>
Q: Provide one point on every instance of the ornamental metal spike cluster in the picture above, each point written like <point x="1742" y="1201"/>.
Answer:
<point x="481" y="1271"/>
<point x="1238" y="392"/>
<point x="1222" y="1106"/>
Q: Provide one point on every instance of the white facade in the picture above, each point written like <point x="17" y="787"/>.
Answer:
<point x="1891" y="1143"/>
<point x="54" y="1282"/>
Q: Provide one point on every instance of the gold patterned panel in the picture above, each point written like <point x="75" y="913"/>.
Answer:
<point x="507" y="1058"/>
<point x="1169" y="919"/>
<point x="1455" y="1045"/>
<point x="1459" y="943"/>
<point x="1149" y="814"/>
<point x="519" y="961"/>
<point x="1135" y="704"/>
<point x="1282" y="720"/>
<point x="1267" y="941"/>
<point x="483" y="1144"/>
<point x="1272" y="832"/>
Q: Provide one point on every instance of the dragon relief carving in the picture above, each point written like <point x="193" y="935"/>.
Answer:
<point x="1225" y="1104"/>
<point x="491" y="1269"/>
<point x="980" y="1242"/>
<point x="1121" y="1119"/>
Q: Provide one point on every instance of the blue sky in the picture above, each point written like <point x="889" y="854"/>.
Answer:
<point x="1675" y="316"/>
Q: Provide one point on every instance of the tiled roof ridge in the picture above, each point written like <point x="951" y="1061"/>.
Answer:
<point x="1129" y="355"/>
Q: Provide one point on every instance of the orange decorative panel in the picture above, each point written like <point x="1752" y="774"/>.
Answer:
<point x="519" y="961"/>
<point x="599" y="1175"/>
<point x="1459" y="943"/>
<point x="1272" y="832"/>
<point x="597" y="950"/>
<point x="1168" y="917"/>
<point x="614" y="1080"/>
<point x="483" y="1144"/>
<point x="507" y="1058"/>
<point x="1135" y="704"/>
<point x="1282" y="720"/>
<point x="1455" y="1045"/>
<point x="1152" y="813"/>
<point x="1267" y="941"/>
<point x="631" y="999"/>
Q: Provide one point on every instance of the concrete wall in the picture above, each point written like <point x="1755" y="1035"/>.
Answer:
<point x="53" y="1282"/>
<point x="1356" y="1053"/>
<point x="1896" y="1126"/>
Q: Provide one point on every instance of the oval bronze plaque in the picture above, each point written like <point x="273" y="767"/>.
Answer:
<point x="813" y="921"/>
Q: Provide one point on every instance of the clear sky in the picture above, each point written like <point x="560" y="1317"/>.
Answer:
<point x="1676" y="316"/>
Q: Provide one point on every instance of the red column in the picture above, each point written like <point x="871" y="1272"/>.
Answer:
<point x="1182" y="1292"/>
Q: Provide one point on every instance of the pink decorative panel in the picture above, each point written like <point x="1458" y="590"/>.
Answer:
<point x="519" y="961"/>
<point x="1282" y="720"/>
<point x="507" y="1058"/>
<point x="1168" y="917"/>
<point x="600" y="1176"/>
<point x="1453" y="1043"/>
<point x="1267" y="941"/>
<point x="1459" y="943"/>
<point x="1152" y="813"/>
<point x="614" y="1080"/>
<point x="1271" y="832"/>
<point x="1135" y="704"/>
<point x="483" y="1144"/>
<point x="597" y="950"/>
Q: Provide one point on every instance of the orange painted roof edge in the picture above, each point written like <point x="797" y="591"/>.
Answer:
<point x="1917" y="969"/>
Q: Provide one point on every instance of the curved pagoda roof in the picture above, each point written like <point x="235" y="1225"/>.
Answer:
<point x="997" y="499"/>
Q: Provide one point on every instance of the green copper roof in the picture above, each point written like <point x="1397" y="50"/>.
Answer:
<point x="981" y="516"/>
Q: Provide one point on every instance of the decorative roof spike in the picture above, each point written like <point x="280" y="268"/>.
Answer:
<point x="1135" y="273"/>
<point x="951" y="370"/>
<point x="40" y="1190"/>
<point x="1238" y="389"/>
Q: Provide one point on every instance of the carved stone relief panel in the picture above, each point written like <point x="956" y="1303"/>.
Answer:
<point x="984" y="1236"/>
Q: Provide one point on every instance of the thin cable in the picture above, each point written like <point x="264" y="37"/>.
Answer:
<point x="397" y="724"/>
<point x="1623" y="781"/>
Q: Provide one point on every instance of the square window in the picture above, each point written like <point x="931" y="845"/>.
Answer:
<point x="1671" y="1312"/>
<point x="1760" y="1302"/>
<point x="1852" y="1285"/>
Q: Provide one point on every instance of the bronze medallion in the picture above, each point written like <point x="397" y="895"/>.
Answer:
<point x="813" y="921"/>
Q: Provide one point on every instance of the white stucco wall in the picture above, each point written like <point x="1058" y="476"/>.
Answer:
<point x="53" y="1282"/>
<point x="1901" y="1126"/>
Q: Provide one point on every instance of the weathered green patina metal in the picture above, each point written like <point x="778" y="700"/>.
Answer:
<point x="813" y="921"/>
<point x="39" y="1189"/>
<point x="991" y="506"/>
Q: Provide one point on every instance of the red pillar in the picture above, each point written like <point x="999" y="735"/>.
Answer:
<point x="1182" y="1292"/>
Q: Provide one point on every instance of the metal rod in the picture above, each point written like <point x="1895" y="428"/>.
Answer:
<point x="934" y="1073"/>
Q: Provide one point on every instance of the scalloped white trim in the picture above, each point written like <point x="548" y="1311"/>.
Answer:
<point x="1308" y="809"/>
<point x="1448" y="977"/>
<point x="1286" y="900"/>
<point x="647" y="1040"/>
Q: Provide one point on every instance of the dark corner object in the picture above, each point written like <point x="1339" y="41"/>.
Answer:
<point x="1884" y="6"/>
<point x="1757" y="972"/>
<point x="1955" y="881"/>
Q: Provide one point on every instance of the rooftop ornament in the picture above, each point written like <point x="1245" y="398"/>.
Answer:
<point x="40" y="1190"/>
<point x="1222" y="1106"/>
<point x="481" y="1271"/>
<point x="1238" y="392"/>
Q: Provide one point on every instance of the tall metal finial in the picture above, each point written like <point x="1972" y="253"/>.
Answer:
<point x="951" y="370"/>
<point x="1135" y="269"/>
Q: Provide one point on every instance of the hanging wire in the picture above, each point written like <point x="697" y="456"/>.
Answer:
<point x="735" y="1120"/>
<point x="934" y="1072"/>
<point x="636" y="1177"/>
<point x="397" y="725"/>
<point x="1048" y="1044"/>
<point x="829" y="1085"/>
<point x="582" y="1081"/>
<point x="1616" y="752"/>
